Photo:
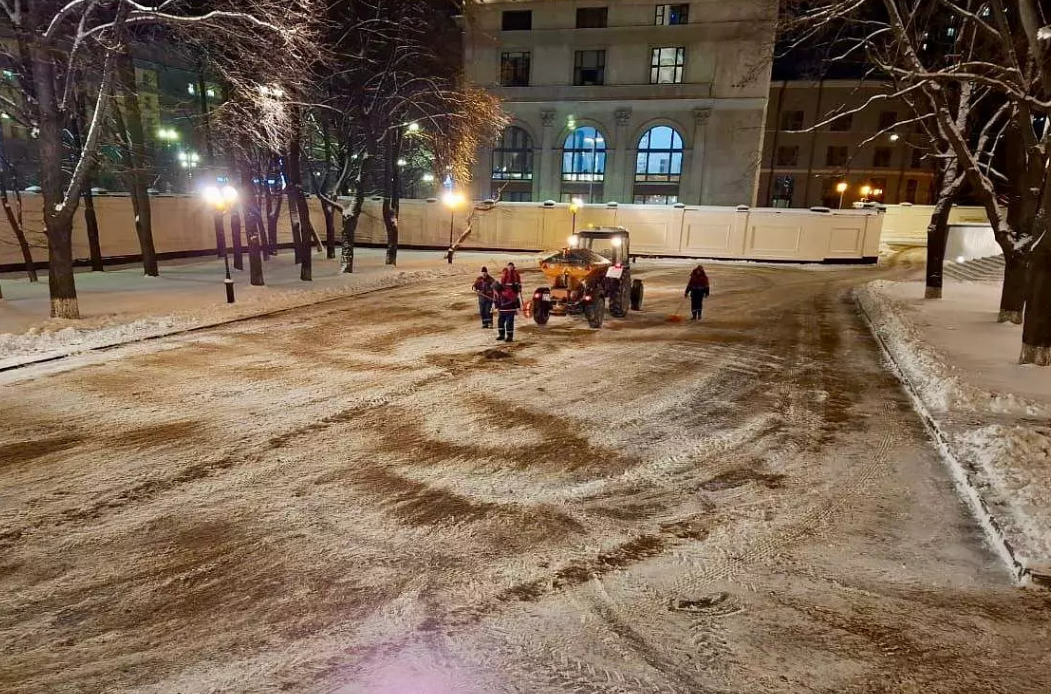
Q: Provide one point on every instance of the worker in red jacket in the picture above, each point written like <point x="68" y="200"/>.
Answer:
<point x="483" y="287"/>
<point x="511" y="278"/>
<point x="698" y="289"/>
<point x="507" y="303"/>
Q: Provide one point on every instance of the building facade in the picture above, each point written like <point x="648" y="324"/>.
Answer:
<point x="624" y="100"/>
<point x="878" y="148"/>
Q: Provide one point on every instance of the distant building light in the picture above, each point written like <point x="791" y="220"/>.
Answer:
<point x="210" y="93"/>
<point x="894" y="137"/>
<point x="191" y="89"/>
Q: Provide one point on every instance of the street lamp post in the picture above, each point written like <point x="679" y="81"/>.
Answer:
<point x="221" y="201"/>
<point x="841" y="188"/>
<point x="452" y="200"/>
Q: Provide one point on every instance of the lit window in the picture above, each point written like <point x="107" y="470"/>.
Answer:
<point x="584" y="155"/>
<point x="666" y="65"/>
<point x="659" y="156"/>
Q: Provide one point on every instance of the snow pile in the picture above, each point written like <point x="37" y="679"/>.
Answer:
<point x="1006" y="467"/>
<point x="925" y="368"/>
<point x="57" y="338"/>
<point x="1015" y="461"/>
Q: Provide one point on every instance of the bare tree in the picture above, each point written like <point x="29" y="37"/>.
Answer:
<point x="57" y="42"/>
<point x="397" y="92"/>
<point x="1002" y="56"/>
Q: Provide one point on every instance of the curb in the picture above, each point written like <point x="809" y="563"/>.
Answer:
<point x="963" y="474"/>
<point x="53" y="357"/>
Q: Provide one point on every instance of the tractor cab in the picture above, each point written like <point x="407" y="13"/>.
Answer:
<point x="612" y="243"/>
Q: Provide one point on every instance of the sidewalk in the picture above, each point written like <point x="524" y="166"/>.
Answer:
<point x="123" y="305"/>
<point x="991" y="415"/>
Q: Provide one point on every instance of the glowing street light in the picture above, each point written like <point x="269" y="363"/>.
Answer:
<point x="414" y="127"/>
<point x="894" y="137"/>
<point x="221" y="200"/>
<point x="402" y="162"/>
<point x="865" y="192"/>
<point x="452" y="200"/>
<point x="428" y="178"/>
<point x="841" y="188"/>
<point x="168" y="135"/>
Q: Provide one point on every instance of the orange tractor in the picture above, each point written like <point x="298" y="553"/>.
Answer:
<point x="593" y="269"/>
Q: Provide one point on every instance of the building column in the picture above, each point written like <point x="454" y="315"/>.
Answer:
<point x="549" y="158"/>
<point x="482" y="173"/>
<point x="692" y="187"/>
<point x="618" y="183"/>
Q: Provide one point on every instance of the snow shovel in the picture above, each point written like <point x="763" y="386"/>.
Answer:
<point x="675" y="317"/>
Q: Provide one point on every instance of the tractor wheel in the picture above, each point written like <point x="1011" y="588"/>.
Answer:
<point x="595" y="312"/>
<point x="636" y="295"/>
<point x="541" y="312"/>
<point x="619" y="296"/>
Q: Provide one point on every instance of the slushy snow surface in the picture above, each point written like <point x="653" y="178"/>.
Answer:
<point x="120" y="306"/>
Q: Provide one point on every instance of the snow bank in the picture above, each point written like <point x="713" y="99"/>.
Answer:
<point x="54" y="339"/>
<point x="1002" y="468"/>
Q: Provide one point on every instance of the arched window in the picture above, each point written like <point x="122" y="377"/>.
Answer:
<point x="513" y="156"/>
<point x="584" y="156"/>
<point x="660" y="156"/>
<point x="658" y="166"/>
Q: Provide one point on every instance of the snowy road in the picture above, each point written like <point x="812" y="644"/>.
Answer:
<point x="367" y="496"/>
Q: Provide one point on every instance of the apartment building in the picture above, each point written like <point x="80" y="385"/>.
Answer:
<point x="623" y="100"/>
<point x="876" y="149"/>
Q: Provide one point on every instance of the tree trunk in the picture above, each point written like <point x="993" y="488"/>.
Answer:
<point x="392" y="199"/>
<point x="235" y="236"/>
<point x="202" y="91"/>
<point x="350" y="222"/>
<point x="91" y="222"/>
<point x="297" y="232"/>
<point x="253" y="227"/>
<point x="58" y="221"/>
<point x="273" y="215"/>
<point x="1036" y="331"/>
<point x="1013" y="294"/>
<point x="60" y="279"/>
<point x="297" y="200"/>
<point x="938" y="231"/>
<point x="20" y="234"/>
<point x="330" y="230"/>
<point x="138" y="175"/>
